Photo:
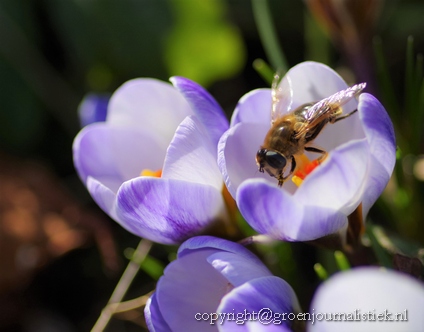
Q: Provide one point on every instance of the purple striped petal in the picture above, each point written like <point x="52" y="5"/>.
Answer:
<point x="191" y="156"/>
<point x="204" y="105"/>
<point x="154" y="319"/>
<point x="167" y="211"/>
<point x="339" y="182"/>
<point x="237" y="269"/>
<point x="267" y="295"/>
<point x="198" y="280"/>
<point x="211" y="242"/>
<point x="381" y="139"/>
<point x="277" y="213"/>
<point x="189" y="286"/>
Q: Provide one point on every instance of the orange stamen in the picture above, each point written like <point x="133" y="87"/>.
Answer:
<point x="303" y="169"/>
<point x="149" y="172"/>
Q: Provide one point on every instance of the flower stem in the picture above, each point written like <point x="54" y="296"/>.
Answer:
<point x="124" y="283"/>
<point x="268" y="35"/>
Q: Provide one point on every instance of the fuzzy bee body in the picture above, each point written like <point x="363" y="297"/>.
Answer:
<point x="291" y="134"/>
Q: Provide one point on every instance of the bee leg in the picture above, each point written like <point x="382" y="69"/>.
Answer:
<point x="314" y="149"/>
<point x="282" y="178"/>
<point x="317" y="150"/>
<point x="344" y="116"/>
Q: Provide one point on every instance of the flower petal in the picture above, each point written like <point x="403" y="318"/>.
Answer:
<point x="312" y="81"/>
<point x="381" y="139"/>
<point x="339" y="133"/>
<point x="236" y="268"/>
<point x="254" y="107"/>
<point x="103" y="195"/>
<point x="211" y="242"/>
<point x="273" y="211"/>
<point x="190" y="286"/>
<point x="236" y="154"/>
<point x="204" y="105"/>
<point x="154" y="319"/>
<point x="339" y="182"/>
<point x="191" y="156"/>
<point x="101" y="150"/>
<point x="162" y="210"/>
<point x="370" y="291"/>
<point x="93" y="108"/>
<point x="267" y="295"/>
<point x="151" y="105"/>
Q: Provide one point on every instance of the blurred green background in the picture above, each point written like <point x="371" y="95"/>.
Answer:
<point x="60" y="256"/>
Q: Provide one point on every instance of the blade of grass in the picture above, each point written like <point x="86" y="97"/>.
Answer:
<point x="264" y="70"/>
<point x="321" y="271"/>
<point x="124" y="283"/>
<point x="409" y="77"/>
<point x="385" y="83"/>
<point x="341" y="261"/>
<point x="268" y="35"/>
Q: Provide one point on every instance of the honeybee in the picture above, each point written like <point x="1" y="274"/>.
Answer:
<point x="291" y="134"/>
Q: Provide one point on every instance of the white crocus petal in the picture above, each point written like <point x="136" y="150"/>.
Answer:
<point x="254" y="107"/>
<point x="236" y="154"/>
<point x="312" y="81"/>
<point x="145" y="103"/>
<point x="371" y="296"/>
<point x="191" y="155"/>
<point x="339" y="182"/>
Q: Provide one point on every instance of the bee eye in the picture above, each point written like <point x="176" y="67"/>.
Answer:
<point x="275" y="160"/>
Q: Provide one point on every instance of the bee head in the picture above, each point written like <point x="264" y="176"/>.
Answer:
<point x="271" y="161"/>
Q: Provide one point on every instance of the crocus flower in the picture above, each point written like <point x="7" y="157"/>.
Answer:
<point x="93" y="108"/>
<point x="359" y="164"/>
<point x="215" y="284"/>
<point x="368" y="299"/>
<point x="152" y="164"/>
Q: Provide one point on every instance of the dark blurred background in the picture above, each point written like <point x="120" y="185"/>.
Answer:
<point x="60" y="255"/>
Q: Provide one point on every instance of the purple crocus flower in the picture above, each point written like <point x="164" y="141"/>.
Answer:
<point x="359" y="164"/>
<point x="368" y="299"/>
<point x="93" y="108"/>
<point x="155" y="128"/>
<point x="215" y="284"/>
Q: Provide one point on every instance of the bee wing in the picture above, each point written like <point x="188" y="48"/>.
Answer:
<point x="322" y="109"/>
<point x="281" y="96"/>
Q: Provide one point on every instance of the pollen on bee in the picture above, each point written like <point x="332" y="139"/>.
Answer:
<point x="297" y="180"/>
<point x="303" y="169"/>
<point x="149" y="172"/>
